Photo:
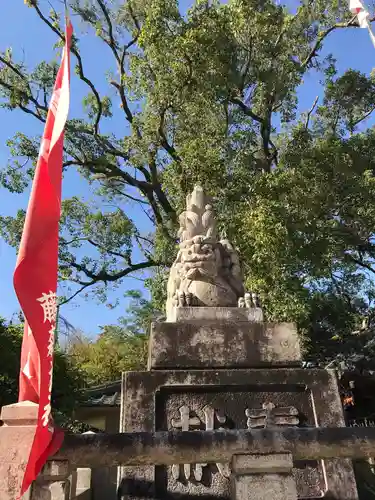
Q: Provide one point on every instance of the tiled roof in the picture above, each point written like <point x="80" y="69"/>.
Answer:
<point x="104" y="395"/>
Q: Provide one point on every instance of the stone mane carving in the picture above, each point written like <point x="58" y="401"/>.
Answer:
<point x="207" y="270"/>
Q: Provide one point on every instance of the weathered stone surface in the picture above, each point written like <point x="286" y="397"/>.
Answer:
<point x="264" y="487"/>
<point x="53" y="483"/>
<point x="223" y="344"/>
<point x="16" y="437"/>
<point x="81" y="484"/>
<point x="263" y="477"/>
<point x="24" y="414"/>
<point x="57" y="490"/>
<point x="197" y="314"/>
<point x="156" y="401"/>
<point x="262" y="464"/>
<point x="140" y="449"/>
<point x="206" y="271"/>
<point x="55" y="470"/>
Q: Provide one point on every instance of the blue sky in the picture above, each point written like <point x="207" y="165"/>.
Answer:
<point x="22" y="30"/>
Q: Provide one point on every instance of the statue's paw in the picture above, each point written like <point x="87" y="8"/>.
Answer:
<point x="249" y="300"/>
<point x="241" y="302"/>
<point x="189" y="299"/>
<point x="181" y="299"/>
<point x="185" y="299"/>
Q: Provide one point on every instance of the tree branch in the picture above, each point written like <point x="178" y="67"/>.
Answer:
<point x="14" y="69"/>
<point x="27" y="96"/>
<point x="81" y="73"/>
<point x="83" y="287"/>
<point x="352" y="23"/>
<point x="361" y="263"/>
<point x="97" y="245"/>
<point x="164" y="141"/>
<point x="246" y="110"/>
<point x="135" y="20"/>
<point x="111" y="42"/>
<point x="103" y="141"/>
<point x="366" y="115"/>
<point x="158" y="190"/>
<point x="310" y="112"/>
<point x="275" y="154"/>
<point x="146" y="188"/>
<point x="104" y="276"/>
<point x="31" y="112"/>
<point x="124" y="103"/>
<point x="111" y="252"/>
<point x="111" y="170"/>
<point x="130" y="197"/>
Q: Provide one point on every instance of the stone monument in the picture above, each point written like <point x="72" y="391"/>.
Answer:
<point x="216" y="364"/>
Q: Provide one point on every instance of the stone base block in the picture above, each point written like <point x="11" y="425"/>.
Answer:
<point x="53" y="483"/>
<point x="263" y="477"/>
<point x="16" y="438"/>
<point x="230" y="399"/>
<point x="264" y="487"/>
<point x="244" y="465"/>
<point x="238" y="314"/>
<point x="223" y="344"/>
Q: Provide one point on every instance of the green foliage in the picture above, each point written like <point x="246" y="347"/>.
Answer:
<point x="67" y="384"/>
<point x="118" y="348"/>
<point x="10" y="341"/>
<point x="312" y="222"/>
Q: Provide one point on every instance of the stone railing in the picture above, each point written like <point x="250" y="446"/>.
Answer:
<point x="252" y="453"/>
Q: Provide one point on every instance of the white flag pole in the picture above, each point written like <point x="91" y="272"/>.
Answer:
<point x="358" y="8"/>
<point x="372" y="36"/>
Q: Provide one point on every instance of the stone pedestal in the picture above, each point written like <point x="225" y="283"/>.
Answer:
<point x="16" y="437"/>
<point x="83" y="490"/>
<point x="53" y="483"/>
<point x="228" y="372"/>
<point x="263" y="477"/>
<point x="17" y="432"/>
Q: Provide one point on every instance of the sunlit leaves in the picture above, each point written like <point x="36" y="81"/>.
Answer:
<point x="348" y="100"/>
<point x="11" y="228"/>
<point x="90" y="105"/>
<point x="310" y="220"/>
<point x="118" y="348"/>
<point x="211" y="96"/>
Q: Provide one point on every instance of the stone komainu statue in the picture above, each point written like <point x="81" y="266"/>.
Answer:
<point x="206" y="271"/>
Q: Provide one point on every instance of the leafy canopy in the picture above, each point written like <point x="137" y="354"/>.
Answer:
<point x="211" y="96"/>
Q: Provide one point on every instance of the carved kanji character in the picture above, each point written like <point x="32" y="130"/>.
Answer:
<point x="185" y="423"/>
<point x="271" y="416"/>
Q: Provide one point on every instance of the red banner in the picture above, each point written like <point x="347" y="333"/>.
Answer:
<point x="35" y="276"/>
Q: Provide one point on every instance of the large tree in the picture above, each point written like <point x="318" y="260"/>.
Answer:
<point x="211" y="96"/>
